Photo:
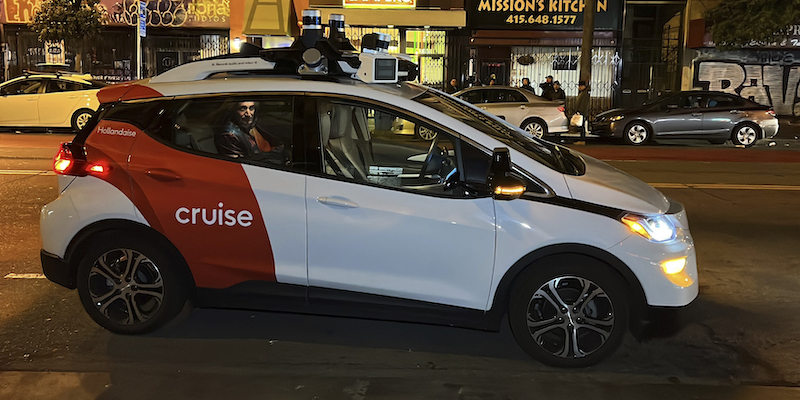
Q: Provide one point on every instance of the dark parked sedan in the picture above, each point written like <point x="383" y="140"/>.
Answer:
<point x="713" y="116"/>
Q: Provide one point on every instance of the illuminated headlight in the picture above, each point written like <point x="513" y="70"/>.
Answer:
<point x="655" y="228"/>
<point x="616" y="118"/>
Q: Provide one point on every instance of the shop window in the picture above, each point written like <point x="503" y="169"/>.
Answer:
<point x="372" y="145"/>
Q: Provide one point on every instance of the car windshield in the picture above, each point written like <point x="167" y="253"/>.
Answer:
<point x="542" y="151"/>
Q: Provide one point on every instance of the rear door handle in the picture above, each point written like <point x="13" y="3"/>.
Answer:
<point x="522" y="107"/>
<point x="332" y="201"/>
<point x="697" y="114"/>
<point x="735" y="112"/>
<point x="163" y="175"/>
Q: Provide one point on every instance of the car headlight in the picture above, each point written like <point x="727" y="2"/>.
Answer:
<point x="616" y="118"/>
<point x="655" y="228"/>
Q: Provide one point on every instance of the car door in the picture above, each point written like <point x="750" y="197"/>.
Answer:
<point x="382" y="219"/>
<point x="722" y="114"/>
<point x="57" y="102"/>
<point x="234" y="209"/>
<point x="19" y="102"/>
<point x="679" y="115"/>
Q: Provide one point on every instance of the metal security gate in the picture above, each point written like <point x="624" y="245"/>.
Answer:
<point x="536" y="63"/>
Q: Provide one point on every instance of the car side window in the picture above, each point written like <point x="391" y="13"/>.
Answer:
<point x="248" y="128"/>
<point x="517" y="97"/>
<point x="373" y="145"/>
<point x="692" y="101"/>
<point x="723" y="101"/>
<point x="473" y="97"/>
<point x="28" y="86"/>
<point x="56" y="85"/>
<point x="495" y="96"/>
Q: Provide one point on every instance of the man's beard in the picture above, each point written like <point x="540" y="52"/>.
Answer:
<point x="246" y="126"/>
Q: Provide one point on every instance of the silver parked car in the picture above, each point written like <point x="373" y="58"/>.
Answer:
<point x="536" y="115"/>
<point x="713" y="116"/>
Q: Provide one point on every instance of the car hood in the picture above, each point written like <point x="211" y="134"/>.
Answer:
<point x="605" y="185"/>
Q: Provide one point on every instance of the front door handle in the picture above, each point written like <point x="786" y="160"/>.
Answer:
<point x="163" y="175"/>
<point x="735" y="112"/>
<point x="697" y="114"/>
<point x="522" y="107"/>
<point x="336" y="202"/>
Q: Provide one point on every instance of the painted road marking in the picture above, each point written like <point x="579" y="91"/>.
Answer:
<point x="24" y="172"/>
<point x="724" y="186"/>
<point x="24" y="276"/>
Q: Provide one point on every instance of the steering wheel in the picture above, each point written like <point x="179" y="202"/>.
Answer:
<point x="429" y="157"/>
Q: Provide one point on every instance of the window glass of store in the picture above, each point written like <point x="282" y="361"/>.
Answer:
<point x="374" y="145"/>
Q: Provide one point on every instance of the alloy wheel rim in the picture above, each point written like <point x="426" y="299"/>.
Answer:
<point x="570" y="317"/>
<point x="637" y="134"/>
<point x="746" y="135"/>
<point x="427" y="134"/>
<point x="535" y="129"/>
<point x="126" y="286"/>
<point x="82" y="120"/>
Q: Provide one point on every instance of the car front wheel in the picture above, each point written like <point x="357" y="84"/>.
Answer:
<point x="637" y="134"/>
<point x="569" y="312"/>
<point x="130" y="286"/>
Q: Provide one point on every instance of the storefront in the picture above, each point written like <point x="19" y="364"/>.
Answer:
<point x="419" y="28"/>
<point x="178" y="31"/>
<point x="516" y="39"/>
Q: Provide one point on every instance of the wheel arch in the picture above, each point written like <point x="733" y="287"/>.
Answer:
<point x="638" y="305"/>
<point x="84" y="237"/>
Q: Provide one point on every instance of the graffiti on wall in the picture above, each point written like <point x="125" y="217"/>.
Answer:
<point x="160" y="13"/>
<point x="768" y="77"/>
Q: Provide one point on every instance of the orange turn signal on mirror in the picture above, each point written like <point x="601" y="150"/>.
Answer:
<point x="509" y="190"/>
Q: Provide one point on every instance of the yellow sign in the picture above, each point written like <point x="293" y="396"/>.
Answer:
<point x="268" y="17"/>
<point x="380" y="3"/>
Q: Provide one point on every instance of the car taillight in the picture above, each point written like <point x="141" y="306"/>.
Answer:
<point x="69" y="161"/>
<point x="561" y="108"/>
<point x="771" y="112"/>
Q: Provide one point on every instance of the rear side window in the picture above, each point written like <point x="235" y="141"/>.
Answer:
<point x="247" y="128"/>
<point x="473" y="97"/>
<point x="725" y="101"/>
<point x="57" y="85"/>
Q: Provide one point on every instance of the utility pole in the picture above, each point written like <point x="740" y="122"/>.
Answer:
<point x="588" y="38"/>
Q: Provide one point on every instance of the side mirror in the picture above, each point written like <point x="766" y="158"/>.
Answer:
<point x="504" y="185"/>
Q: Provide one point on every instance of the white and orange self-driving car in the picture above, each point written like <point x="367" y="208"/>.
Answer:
<point x="284" y="179"/>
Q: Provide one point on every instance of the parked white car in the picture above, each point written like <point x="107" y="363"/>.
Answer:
<point x="48" y="100"/>
<point x="536" y="115"/>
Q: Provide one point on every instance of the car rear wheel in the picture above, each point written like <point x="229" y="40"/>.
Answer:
<point x="130" y="286"/>
<point x="569" y="312"/>
<point x="637" y="134"/>
<point x="745" y="135"/>
<point x="535" y="127"/>
<point x="80" y="118"/>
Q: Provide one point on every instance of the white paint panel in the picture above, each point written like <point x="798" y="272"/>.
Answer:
<point x="400" y="244"/>
<point x="281" y="198"/>
<point x="524" y="226"/>
<point x="85" y="201"/>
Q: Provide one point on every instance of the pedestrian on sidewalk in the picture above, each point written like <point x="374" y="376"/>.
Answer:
<point x="546" y="86"/>
<point x="526" y="84"/>
<point x="579" y="119"/>
<point x="557" y="93"/>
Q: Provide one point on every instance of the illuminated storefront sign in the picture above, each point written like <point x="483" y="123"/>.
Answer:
<point x="540" y="14"/>
<point x="160" y="13"/>
<point x="380" y="3"/>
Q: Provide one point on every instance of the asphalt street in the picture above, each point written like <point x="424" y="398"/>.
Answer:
<point x="736" y="341"/>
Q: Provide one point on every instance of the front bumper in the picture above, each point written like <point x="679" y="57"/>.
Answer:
<point x="58" y="270"/>
<point x="603" y="128"/>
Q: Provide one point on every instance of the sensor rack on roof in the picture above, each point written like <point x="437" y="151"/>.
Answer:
<point x="311" y="55"/>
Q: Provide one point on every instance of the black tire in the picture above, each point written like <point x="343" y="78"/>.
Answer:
<point x="745" y="134"/>
<point x="535" y="126"/>
<point x="118" y="301"/>
<point x="637" y="133"/>
<point x="80" y="118"/>
<point x="597" y="324"/>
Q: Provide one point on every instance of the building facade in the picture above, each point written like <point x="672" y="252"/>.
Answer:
<point x="177" y="31"/>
